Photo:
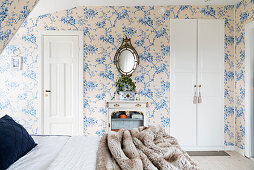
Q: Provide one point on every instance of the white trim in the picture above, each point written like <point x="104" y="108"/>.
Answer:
<point x="248" y="91"/>
<point x="229" y="148"/>
<point x="40" y="86"/>
<point x="41" y="81"/>
<point x="81" y="92"/>
<point x="240" y="151"/>
<point x="234" y="79"/>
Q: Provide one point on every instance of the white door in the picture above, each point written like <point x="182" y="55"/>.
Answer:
<point x="61" y="85"/>
<point x="183" y="66"/>
<point x="210" y="114"/>
<point x="197" y="59"/>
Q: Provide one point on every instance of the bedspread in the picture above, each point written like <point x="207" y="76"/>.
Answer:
<point x="79" y="153"/>
<point x="148" y="148"/>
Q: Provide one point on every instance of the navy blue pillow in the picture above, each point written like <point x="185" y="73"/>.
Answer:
<point x="15" y="142"/>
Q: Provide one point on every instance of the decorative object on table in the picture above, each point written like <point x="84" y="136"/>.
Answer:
<point x="126" y="58"/>
<point x="117" y="114"/>
<point x="136" y="115"/>
<point x="137" y="96"/>
<point x="126" y="88"/>
<point x="129" y="108"/>
<point x="123" y="116"/>
<point x="127" y="95"/>
<point x="131" y="112"/>
<point x="16" y="60"/>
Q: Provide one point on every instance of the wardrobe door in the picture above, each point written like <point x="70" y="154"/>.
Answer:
<point x="183" y="66"/>
<point x="210" y="114"/>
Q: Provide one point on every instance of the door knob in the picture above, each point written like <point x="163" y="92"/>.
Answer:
<point x="47" y="91"/>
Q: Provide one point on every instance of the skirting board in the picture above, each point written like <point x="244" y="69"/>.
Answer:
<point x="239" y="150"/>
<point x="229" y="148"/>
<point x="234" y="148"/>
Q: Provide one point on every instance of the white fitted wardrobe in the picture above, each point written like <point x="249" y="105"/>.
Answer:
<point x="197" y="83"/>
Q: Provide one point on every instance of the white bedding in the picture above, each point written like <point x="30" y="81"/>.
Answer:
<point x="78" y="153"/>
<point x="60" y="153"/>
<point x="41" y="156"/>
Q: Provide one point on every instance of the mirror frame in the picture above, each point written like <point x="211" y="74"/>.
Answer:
<point x="126" y="45"/>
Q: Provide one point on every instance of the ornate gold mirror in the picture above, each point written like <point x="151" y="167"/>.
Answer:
<point x="126" y="58"/>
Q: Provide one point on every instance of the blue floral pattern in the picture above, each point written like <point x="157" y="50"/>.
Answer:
<point x="244" y="15"/>
<point x="104" y="28"/>
<point x="12" y="15"/>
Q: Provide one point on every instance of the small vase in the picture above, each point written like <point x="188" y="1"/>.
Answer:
<point x="123" y="116"/>
<point x="127" y="95"/>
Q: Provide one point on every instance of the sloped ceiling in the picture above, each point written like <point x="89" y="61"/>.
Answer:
<point x="12" y="15"/>
<point x="14" y="12"/>
<point x="50" y="6"/>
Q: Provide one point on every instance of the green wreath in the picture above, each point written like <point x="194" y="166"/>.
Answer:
<point x="125" y="84"/>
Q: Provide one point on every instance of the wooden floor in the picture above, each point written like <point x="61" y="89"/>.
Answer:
<point x="233" y="162"/>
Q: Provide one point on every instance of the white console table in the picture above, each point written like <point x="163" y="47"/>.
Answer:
<point x="115" y="107"/>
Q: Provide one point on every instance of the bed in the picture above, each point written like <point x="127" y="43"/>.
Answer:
<point x="122" y="150"/>
<point x="51" y="149"/>
<point x="140" y="148"/>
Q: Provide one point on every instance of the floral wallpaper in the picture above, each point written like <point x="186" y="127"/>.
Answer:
<point x="104" y="28"/>
<point x="12" y="15"/>
<point x="244" y="15"/>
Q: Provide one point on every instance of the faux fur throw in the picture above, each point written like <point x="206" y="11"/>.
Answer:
<point x="148" y="148"/>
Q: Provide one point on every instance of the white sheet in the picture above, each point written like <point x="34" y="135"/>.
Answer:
<point x="40" y="157"/>
<point x="78" y="153"/>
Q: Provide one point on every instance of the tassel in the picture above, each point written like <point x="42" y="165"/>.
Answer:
<point x="195" y="98"/>
<point x="199" y="96"/>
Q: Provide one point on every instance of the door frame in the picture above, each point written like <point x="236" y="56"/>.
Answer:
<point x="248" y="122"/>
<point x="41" y="76"/>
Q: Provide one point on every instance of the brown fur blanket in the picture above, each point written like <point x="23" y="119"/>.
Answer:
<point x="148" y="148"/>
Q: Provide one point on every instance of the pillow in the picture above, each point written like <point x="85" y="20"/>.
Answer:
<point x="15" y="142"/>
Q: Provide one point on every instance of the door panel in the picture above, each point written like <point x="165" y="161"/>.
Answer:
<point x="61" y="71"/>
<point x="57" y="128"/>
<point x="69" y="87"/>
<point x="183" y="63"/>
<point x="183" y="35"/>
<point x="210" y="114"/>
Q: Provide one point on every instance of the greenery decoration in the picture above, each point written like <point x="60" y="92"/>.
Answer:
<point x="125" y="84"/>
